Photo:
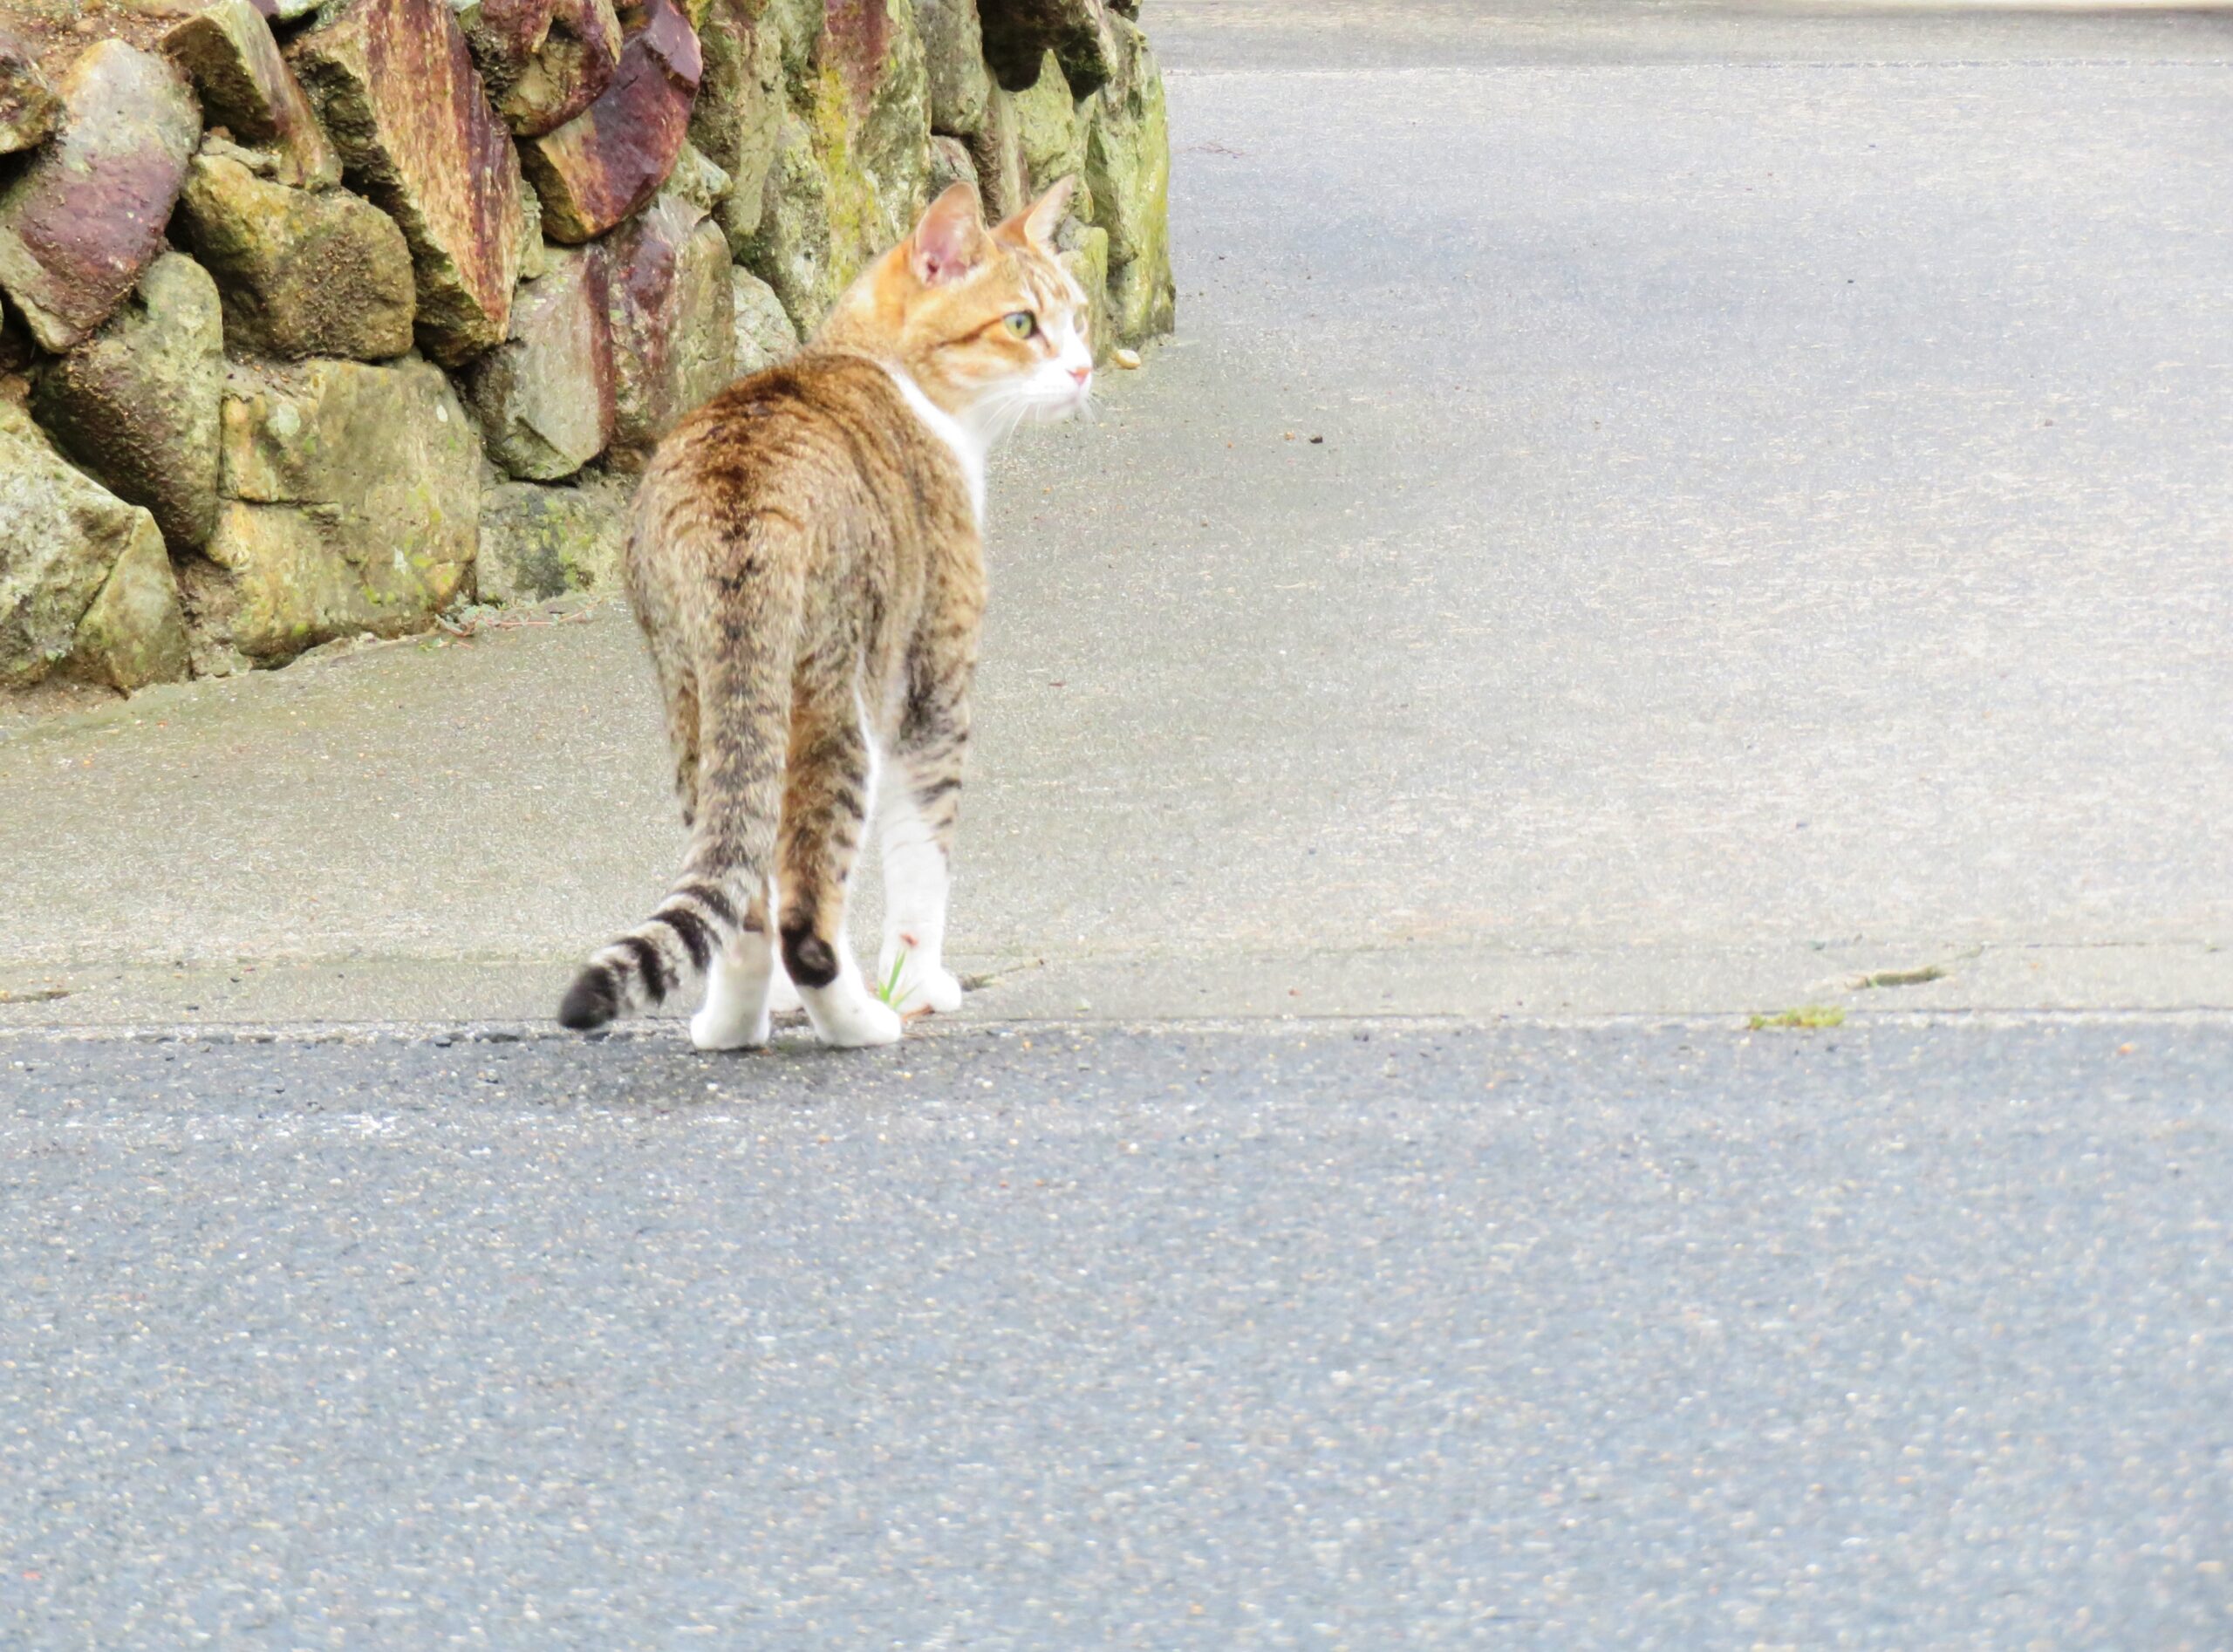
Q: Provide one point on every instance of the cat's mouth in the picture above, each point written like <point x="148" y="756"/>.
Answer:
<point x="1070" y="400"/>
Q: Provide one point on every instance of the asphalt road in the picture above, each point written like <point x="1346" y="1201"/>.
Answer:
<point x="1340" y="1337"/>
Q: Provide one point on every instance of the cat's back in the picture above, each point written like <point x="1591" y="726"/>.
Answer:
<point x="816" y="470"/>
<point x="823" y="419"/>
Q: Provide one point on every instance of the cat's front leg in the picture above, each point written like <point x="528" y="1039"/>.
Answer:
<point x="917" y="816"/>
<point x="826" y="791"/>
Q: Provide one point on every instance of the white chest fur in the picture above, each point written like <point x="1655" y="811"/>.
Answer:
<point x="967" y="448"/>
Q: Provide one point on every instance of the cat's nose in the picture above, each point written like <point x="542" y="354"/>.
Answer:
<point x="1082" y="373"/>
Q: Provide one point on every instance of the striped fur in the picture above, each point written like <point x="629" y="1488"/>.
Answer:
<point x="805" y="564"/>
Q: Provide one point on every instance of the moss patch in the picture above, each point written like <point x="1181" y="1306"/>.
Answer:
<point x="1806" y="1018"/>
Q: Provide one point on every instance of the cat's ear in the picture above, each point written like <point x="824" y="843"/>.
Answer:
<point x="950" y="241"/>
<point x="1039" y="221"/>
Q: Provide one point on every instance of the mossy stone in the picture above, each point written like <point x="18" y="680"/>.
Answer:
<point x="352" y="504"/>
<point x="61" y="533"/>
<point x="1048" y="129"/>
<point x="764" y="333"/>
<point x="134" y="634"/>
<point x="538" y="542"/>
<point x="737" y="122"/>
<point x="1128" y="169"/>
<point x="136" y="404"/>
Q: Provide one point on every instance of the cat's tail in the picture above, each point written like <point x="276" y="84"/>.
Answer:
<point x="723" y="889"/>
<point x="669" y="954"/>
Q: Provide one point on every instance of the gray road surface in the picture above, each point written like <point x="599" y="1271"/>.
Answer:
<point x="1352" y="1338"/>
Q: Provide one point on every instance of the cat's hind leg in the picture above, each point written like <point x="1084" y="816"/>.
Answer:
<point x="919" y="803"/>
<point x="678" y="689"/>
<point x="782" y="997"/>
<point x="826" y="786"/>
<point x="735" y="1013"/>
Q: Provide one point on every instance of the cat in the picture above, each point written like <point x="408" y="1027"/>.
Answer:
<point x="805" y="563"/>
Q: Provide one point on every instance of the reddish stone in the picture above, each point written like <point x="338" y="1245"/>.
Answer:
<point x="545" y="61"/>
<point x="247" y="87"/>
<point x="136" y="404"/>
<point x="856" y="40"/>
<point x="396" y="89"/>
<point x="85" y="215"/>
<point x="610" y="158"/>
<point x="673" y="318"/>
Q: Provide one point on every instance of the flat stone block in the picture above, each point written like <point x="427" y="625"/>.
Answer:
<point x="545" y="395"/>
<point x="352" y="505"/>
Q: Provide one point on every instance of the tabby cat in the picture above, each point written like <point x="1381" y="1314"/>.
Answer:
<point x="805" y="563"/>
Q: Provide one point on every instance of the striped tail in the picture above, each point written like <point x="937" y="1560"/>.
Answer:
<point x="743" y="733"/>
<point x="666" y="955"/>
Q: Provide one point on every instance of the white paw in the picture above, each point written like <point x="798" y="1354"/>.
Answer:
<point x="941" y="991"/>
<point x="860" y="1025"/>
<point x="720" y="1029"/>
<point x="932" y="988"/>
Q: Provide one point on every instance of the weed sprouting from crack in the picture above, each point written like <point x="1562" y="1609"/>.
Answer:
<point x="1809" y="1018"/>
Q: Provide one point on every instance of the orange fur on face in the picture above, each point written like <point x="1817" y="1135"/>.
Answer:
<point x="937" y="306"/>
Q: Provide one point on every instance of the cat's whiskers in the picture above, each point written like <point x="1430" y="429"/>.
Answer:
<point x="1000" y="410"/>
<point x="1004" y="406"/>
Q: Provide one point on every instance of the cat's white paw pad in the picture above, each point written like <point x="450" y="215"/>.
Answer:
<point x="941" y="991"/>
<point x="710" y="1029"/>
<point x="860" y="1026"/>
<point x="937" y="989"/>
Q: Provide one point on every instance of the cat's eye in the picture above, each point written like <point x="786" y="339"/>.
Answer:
<point x="1022" y="323"/>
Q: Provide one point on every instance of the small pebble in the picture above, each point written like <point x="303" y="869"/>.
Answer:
<point x="1127" y="359"/>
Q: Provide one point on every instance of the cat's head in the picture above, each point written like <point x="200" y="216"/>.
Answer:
<point x="987" y="321"/>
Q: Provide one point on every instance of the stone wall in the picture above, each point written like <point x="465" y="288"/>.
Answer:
<point x="317" y="321"/>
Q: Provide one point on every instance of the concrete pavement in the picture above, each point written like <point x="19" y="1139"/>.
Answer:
<point x="1770" y="527"/>
<point x="1225" y="36"/>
